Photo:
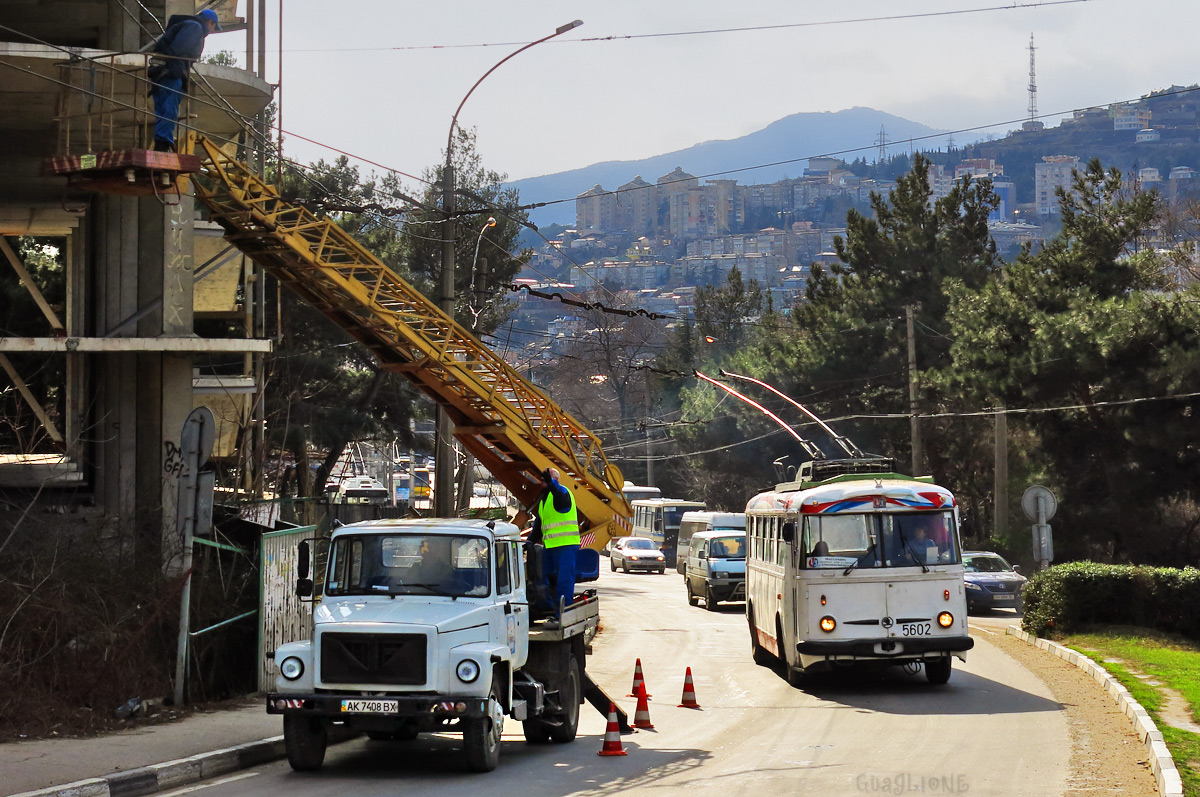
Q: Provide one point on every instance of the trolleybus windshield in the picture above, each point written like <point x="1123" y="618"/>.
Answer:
<point x="909" y="539"/>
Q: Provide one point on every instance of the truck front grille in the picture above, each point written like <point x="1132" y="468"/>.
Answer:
<point x="373" y="659"/>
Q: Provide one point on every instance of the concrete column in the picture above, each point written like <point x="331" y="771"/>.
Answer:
<point x="164" y="380"/>
<point x="113" y="229"/>
<point x="77" y="392"/>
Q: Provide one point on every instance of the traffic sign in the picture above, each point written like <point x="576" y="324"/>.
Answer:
<point x="1029" y="502"/>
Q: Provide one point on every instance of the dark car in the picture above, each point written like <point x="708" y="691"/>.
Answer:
<point x="992" y="583"/>
<point x="636" y="553"/>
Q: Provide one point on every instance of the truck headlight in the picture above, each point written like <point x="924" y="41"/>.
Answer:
<point x="291" y="668"/>
<point x="720" y="574"/>
<point x="467" y="671"/>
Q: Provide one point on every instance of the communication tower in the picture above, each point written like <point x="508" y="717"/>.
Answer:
<point x="1033" y="123"/>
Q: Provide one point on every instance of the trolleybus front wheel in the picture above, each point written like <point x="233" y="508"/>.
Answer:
<point x="938" y="670"/>
<point x="760" y="655"/>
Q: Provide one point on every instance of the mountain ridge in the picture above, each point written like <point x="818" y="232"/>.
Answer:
<point x="777" y="151"/>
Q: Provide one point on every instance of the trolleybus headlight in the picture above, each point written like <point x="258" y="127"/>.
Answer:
<point x="945" y="619"/>
<point x="467" y="671"/>
<point x="291" y="668"/>
<point x="828" y="624"/>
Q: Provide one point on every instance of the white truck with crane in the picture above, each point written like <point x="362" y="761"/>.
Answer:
<point x="396" y="650"/>
<point x="425" y="626"/>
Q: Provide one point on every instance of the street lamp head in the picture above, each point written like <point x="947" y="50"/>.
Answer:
<point x="491" y="222"/>
<point x="569" y="26"/>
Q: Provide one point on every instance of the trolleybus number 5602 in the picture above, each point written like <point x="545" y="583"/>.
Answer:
<point x="916" y="629"/>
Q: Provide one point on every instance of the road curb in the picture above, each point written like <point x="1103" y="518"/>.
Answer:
<point x="173" y="774"/>
<point x="1166" y="776"/>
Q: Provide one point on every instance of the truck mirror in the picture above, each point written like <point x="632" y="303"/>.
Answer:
<point x="788" y="532"/>
<point x="304" y="588"/>
<point x="303" y="565"/>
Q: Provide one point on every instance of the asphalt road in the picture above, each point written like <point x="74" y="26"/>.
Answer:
<point x="993" y="730"/>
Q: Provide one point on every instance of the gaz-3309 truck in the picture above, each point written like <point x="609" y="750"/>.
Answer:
<point x="425" y="626"/>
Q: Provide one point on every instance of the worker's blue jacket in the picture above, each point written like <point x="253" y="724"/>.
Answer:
<point x="183" y="38"/>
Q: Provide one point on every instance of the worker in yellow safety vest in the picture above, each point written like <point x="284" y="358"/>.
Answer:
<point x="556" y="526"/>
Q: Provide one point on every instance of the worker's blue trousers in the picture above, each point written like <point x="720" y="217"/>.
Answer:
<point x="167" y="93"/>
<point x="559" y="567"/>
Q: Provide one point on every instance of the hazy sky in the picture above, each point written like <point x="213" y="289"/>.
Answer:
<point x="568" y="103"/>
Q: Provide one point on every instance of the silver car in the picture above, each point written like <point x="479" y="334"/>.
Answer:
<point x="636" y="553"/>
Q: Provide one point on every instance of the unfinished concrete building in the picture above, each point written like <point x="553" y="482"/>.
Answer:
<point x="139" y="269"/>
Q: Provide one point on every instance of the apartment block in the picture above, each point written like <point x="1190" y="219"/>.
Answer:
<point x="596" y="210"/>
<point x="1054" y="172"/>
<point x="1130" y="116"/>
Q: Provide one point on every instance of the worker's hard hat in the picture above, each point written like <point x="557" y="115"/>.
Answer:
<point x="211" y="16"/>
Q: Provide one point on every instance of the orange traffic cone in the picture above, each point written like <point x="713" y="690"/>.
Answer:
<point x="639" y="683"/>
<point x="641" y="717"/>
<point x="689" y="692"/>
<point x="612" y="734"/>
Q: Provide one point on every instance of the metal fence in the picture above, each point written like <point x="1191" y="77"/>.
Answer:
<point x="285" y="617"/>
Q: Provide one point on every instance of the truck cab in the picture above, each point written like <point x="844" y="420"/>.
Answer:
<point x="424" y="626"/>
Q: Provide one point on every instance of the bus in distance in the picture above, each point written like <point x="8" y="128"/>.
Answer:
<point x="848" y="567"/>
<point x="659" y="519"/>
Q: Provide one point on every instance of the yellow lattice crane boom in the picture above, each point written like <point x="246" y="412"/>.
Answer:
<point x="510" y="426"/>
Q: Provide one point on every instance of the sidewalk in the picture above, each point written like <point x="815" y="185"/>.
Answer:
<point x="32" y="765"/>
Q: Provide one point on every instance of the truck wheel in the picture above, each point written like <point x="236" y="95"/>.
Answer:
<point x="305" y="740"/>
<point x="937" y="671"/>
<point x="568" y="698"/>
<point x="536" y="731"/>
<point x="692" y="599"/>
<point x="481" y="738"/>
<point x="710" y="599"/>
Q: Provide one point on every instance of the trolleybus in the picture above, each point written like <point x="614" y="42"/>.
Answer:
<point x="659" y="518"/>
<point x="854" y="563"/>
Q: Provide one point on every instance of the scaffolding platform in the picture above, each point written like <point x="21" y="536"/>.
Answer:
<point x="129" y="172"/>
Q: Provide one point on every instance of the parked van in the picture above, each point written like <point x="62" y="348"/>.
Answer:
<point x="695" y="522"/>
<point x="716" y="567"/>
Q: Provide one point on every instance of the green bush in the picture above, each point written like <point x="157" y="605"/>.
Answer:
<point x="1066" y="597"/>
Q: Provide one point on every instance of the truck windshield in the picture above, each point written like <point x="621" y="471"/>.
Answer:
<point x="409" y="564"/>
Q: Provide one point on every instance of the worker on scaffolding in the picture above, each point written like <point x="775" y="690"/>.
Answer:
<point x="182" y="43"/>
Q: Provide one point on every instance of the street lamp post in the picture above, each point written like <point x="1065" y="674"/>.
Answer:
<point x="444" y="466"/>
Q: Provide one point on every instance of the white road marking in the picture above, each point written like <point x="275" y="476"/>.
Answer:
<point x="220" y="782"/>
<point x="981" y="628"/>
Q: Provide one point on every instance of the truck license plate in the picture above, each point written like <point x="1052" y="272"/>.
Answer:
<point x="370" y="707"/>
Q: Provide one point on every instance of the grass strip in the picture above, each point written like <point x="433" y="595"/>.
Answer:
<point x="1172" y="661"/>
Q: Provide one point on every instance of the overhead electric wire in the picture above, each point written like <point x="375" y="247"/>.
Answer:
<point x="707" y="32"/>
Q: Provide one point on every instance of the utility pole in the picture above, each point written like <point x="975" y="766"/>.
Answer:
<point x="918" y="454"/>
<point x="649" y="457"/>
<point x="444" y="467"/>
<point x="443" y="475"/>
<point x="1001" y="488"/>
